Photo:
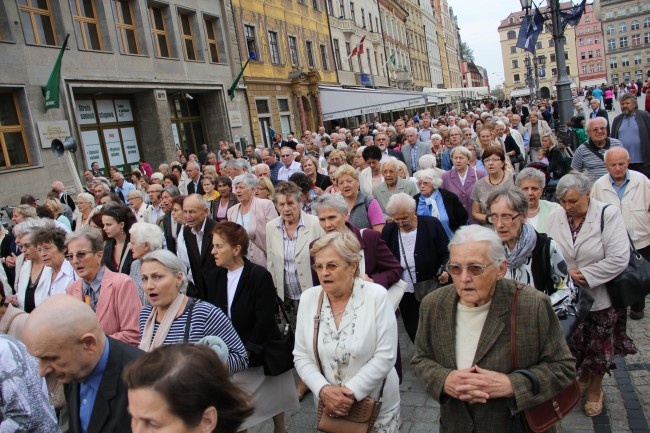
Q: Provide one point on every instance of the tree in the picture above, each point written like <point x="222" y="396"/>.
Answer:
<point x="498" y="92"/>
<point x="466" y="53"/>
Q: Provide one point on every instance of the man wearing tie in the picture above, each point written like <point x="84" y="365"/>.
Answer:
<point x="122" y="187"/>
<point x="193" y="170"/>
<point x="596" y="111"/>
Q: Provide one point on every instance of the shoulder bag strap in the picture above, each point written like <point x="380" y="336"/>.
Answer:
<point x="602" y="227"/>
<point x="513" y="328"/>
<point x="280" y="304"/>
<point x="188" y="321"/>
<point x="317" y="319"/>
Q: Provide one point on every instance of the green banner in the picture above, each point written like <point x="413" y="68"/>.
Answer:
<point x="231" y="90"/>
<point x="51" y="90"/>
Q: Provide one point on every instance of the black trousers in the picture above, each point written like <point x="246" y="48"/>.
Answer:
<point x="410" y="311"/>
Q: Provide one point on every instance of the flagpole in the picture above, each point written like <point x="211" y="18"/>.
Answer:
<point x="52" y="88"/>
<point x="231" y="90"/>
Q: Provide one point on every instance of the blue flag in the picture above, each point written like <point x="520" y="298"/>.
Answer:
<point x="573" y="15"/>
<point x="530" y="29"/>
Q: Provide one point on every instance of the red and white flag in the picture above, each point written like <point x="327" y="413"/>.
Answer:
<point x="359" y="49"/>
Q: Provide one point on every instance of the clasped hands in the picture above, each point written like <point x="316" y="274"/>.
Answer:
<point x="337" y="399"/>
<point x="476" y="385"/>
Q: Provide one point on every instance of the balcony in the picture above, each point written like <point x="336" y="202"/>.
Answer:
<point x="342" y="24"/>
<point x="375" y="38"/>
<point x="402" y="76"/>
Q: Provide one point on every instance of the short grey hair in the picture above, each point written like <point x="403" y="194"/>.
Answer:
<point x="29" y="226"/>
<point x="476" y="233"/>
<point x="169" y="261"/>
<point x="368" y="140"/>
<point x="595" y="119"/>
<point x="345" y="244"/>
<point x="431" y="174"/>
<point x="158" y="176"/>
<point x="427" y="161"/>
<point x="630" y="96"/>
<point x="463" y="150"/>
<point x="530" y="173"/>
<point x="135" y="193"/>
<point x="199" y="198"/>
<point x="410" y="130"/>
<point x="573" y="180"/>
<point x="617" y="149"/>
<point x="248" y="179"/>
<point x="91" y="234"/>
<point x="400" y="201"/>
<point x="233" y="163"/>
<point x="331" y="201"/>
<point x="287" y="189"/>
<point x="172" y="190"/>
<point x="260" y="166"/>
<point x="514" y="198"/>
<point x="146" y="233"/>
<point x="455" y="128"/>
<point x="387" y="161"/>
<point x="436" y="137"/>
<point x="86" y="198"/>
<point x="194" y="164"/>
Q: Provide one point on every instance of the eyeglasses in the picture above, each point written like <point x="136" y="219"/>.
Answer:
<point x="492" y="160"/>
<point x="331" y="267"/>
<point x="506" y="219"/>
<point x="285" y="156"/>
<point x="598" y="129"/>
<point x="80" y="255"/>
<point x="401" y="221"/>
<point x="473" y="269"/>
<point x="25" y="246"/>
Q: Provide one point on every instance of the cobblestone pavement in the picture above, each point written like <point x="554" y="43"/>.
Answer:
<point x="627" y="396"/>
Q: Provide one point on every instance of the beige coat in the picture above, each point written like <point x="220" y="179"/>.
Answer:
<point x="261" y="212"/>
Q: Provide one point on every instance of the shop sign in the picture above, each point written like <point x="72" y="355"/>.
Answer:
<point x="235" y="119"/>
<point x="86" y="112"/>
<point x="124" y="113"/>
<point x="92" y="148"/>
<point x="130" y="145"/>
<point x="50" y="130"/>
<point x="114" y="148"/>
<point x="106" y="111"/>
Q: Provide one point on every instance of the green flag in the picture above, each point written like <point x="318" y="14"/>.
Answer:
<point x="231" y="90"/>
<point x="51" y="90"/>
<point x="392" y="58"/>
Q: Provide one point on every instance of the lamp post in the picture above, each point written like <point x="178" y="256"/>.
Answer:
<point x="529" y="78"/>
<point x="540" y="61"/>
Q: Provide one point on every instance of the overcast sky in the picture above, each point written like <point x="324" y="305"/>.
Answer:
<point x="478" y="21"/>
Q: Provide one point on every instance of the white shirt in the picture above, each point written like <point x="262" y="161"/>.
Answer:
<point x="199" y="236"/>
<point x="286" y="172"/>
<point x="63" y="279"/>
<point x="233" y="280"/>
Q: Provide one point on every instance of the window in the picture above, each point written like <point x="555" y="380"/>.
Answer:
<point x="13" y="143"/>
<point x="610" y="29"/>
<point x="566" y="55"/>
<point x="516" y="78"/>
<point x="582" y="42"/>
<point x="515" y="64"/>
<point x="611" y="44"/>
<point x="636" y="39"/>
<point x="348" y="50"/>
<point x="615" y="79"/>
<point x="622" y="28"/>
<point x="512" y="34"/>
<point x="613" y="63"/>
<point x="584" y="69"/>
<point x="342" y="8"/>
<point x="637" y="59"/>
<point x="554" y="72"/>
<point x="125" y="24"/>
<point x="353" y="17"/>
<point x="251" y="42"/>
<point x="539" y="44"/>
<point x="37" y="21"/>
<point x="635" y="25"/>
<point x="646" y="23"/>
<point x="212" y="34"/>
<point x="513" y="50"/>
<point x="591" y="69"/>
<point x="552" y="58"/>
<point x="187" y="36"/>
<point x="369" y="62"/>
<point x="314" y="4"/>
<point x="159" y="31"/>
<point x="293" y="50"/>
<point x="626" y="77"/>
<point x="323" y="57"/>
<point x="590" y="54"/>
<point x="285" y="116"/>
<point x="588" y="19"/>
<point x="622" y="42"/>
<point x="638" y="75"/>
<point x="551" y="43"/>
<point x="646" y="38"/>
<point x="598" y="53"/>
<point x="589" y="41"/>
<point x="310" y="53"/>
<point x="568" y="70"/>
<point x="600" y="67"/>
<point x="86" y="26"/>
<point x="582" y="55"/>
<point x="273" y="47"/>
<point x="596" y="39"/>
<point x="337" y="54"/>
<point x="363" y="18"/>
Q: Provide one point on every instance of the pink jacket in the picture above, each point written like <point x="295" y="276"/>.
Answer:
<point x="118" y="307"/>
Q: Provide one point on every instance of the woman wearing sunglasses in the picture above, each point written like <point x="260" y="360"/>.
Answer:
<point x="462" y="349"/>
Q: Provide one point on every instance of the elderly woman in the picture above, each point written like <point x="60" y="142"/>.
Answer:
<point x="537" y="128"/>
<point x="533" y="258"/>
<point x="392" y="184"/>
<point x="498" y="178"/>
<point x="462" y="349"/>
<point x="252" y="213"/>
<point x="357" y="324"/>
<point x="145" y="238"/>
<point x="462" y="178"/>
<point x="556" y="167"/>
<point x="265" y="188"/>
<point x="54" y="205"/>
<point x="86" y="207"/>
<point x="226" y="201"/>
<point x="532" y="183"/>
<point x="437" y="202"/>
<point x="420" y="244"/>
<point x="141" y="210"/>
<point x="594" y="257"/>
<point x="310" y="168"/>
<point x="117" y="222"/>
<point x="211" y="401"/>
<point x="245" y="292"/>
<point x="171" y="317"/>
<point x="363" y="212"/>
<point x="50" y="245"/>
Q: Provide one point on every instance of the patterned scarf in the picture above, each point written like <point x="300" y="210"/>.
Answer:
<point x="524" y="247"/>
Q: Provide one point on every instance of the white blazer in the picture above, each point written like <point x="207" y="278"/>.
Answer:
<point x="372" y="343"/>
<point x="144" y="213"/>
<point x="42" y="289"/>
<point x="275" y="251"/>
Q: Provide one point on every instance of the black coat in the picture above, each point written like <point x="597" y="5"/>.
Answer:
<point x="431" y="251"/>
<point x="253" y="307"/>
<point x="190" y="187"/>
<point x="109" y="260"/>
<point x="110" y="413"/>
<point x="170" y="240"/>
<point x="201" y="262"/>
<point x="455" y="211"/>
<point x="323" y="181"/>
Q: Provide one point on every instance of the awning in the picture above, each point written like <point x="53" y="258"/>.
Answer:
<point x="519" y="92"/>
<point x="339" y="103"/>
<point x="459" y="92"/>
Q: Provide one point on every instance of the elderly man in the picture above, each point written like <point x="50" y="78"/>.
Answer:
<point x="589" y="156"/>
<point x="198" y="243"/>
<point x="232" y="168"/>
<point x="382" y="141"/>
<point x="64" y="198"/>
<point x="155" y="196"/>
<point x="579" y="109"/>
<point x="363" y="132"/>
<point x="392" y="183"/>
<point x="113" y="296"/>
<point x="68" y="340"/>
<point x="122" y="187"/>
<point x="424" y="135"/>
<point x="262" y="170"/>
<point x="289" y="166"/>
<point x="99" y="190"/>
<point x="596" y="111"/>
<point x="630" y="192"/>
<point x="269" y="158"/>
<point x="413" y="150"/>
<point x="195" y="178"/>
<point x="632" y="127"/>
<point x="141" y="210"/>
<point x="517" y="125"/>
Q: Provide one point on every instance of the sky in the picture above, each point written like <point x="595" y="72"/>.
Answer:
<point x="478" y="21"/>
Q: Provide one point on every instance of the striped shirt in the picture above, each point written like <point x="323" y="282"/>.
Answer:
<point x="586" y="161"/>
<point x="206" y="320"/>
<point x="291" y="283"/>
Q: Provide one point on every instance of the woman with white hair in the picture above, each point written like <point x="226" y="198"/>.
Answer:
<point x="393" y="184"/>
<point x="140" y="208"/>
<point x="437" y="202"/>
<point x="252" y="213"/>
<point x="86" y="207"/>
<point x="145" y="238"/>
<point x="532" y="182"/>
<point x="462" y="178"/>
<point x="437" y="148"/>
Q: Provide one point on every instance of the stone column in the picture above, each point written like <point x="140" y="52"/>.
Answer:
<point x="304" y="125"/>
<point x="319" y="110"/>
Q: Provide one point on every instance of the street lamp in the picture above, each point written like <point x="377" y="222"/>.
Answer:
<point x="540" y="61"/>
<point x="529" y="77"/>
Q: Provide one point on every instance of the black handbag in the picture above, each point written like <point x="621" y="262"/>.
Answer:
<point x="278" y="354"/>
<point x="633" y="284"/>
<point x="573" y="308"/>
<point x="422" y="288"/>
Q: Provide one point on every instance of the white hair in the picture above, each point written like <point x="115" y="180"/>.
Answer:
<point x="400" y="201"/>
<point x="142" y="232"/>
<point x="434" y="175"/>
<point x="427" y="161"/>
<point x="476" y="233"/>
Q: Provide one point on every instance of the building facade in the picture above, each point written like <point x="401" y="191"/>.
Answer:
<point x="290" y="55"/>
<point x="592" y="68"/>
<point x="515" y="63"/>
<point x="472" y="76"/>
<point x="626" y="27"/>
<point x="452" y="44"/>
<point x="417" y="45"/>
<point x="448" y="44"/>
<point x="431" y="23"/>
<point x="140" y="80"/>
<point x="392" y="19"/>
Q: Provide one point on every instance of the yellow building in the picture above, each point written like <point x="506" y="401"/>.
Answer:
<point x="514" y="59"/>
<point x="288" y="43"/>
<point x="417" y="44"/>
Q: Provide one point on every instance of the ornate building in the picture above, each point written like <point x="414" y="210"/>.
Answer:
<point x="417" y="45"/>
<point x="431" y="23"/>
<point x="592" y="69"/>
<point x="392" y="17"/>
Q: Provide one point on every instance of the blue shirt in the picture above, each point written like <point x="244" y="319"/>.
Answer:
<point x="630" y="136"/>
<point x="424" y="209"/>
<point x="89" y="387"/>
<point x="620" y="189"/>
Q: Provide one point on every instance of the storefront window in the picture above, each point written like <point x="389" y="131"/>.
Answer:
<point x="187" y="126"/>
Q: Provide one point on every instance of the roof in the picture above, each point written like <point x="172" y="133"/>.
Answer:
<point x="517" y="15"/>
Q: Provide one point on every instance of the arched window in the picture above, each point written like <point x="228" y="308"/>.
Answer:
<point x="512" y="34"/>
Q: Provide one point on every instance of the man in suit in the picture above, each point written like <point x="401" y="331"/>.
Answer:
<point x="198" y="242"/>
<point x="381" y="141"/>
<point x="169" y="227"/>
<point x="195" y="178"/>
<point x="596" y="111"/>
<point x="112" y="296"/>
<point x="67" y="338"/>
<point x="522" y="111"/>
<point x="632" y="128"/>
<point x="64" y="198"/>
<point x="413" y="150"/>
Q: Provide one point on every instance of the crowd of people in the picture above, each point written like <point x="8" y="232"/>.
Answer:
<point x="159" y="290"/>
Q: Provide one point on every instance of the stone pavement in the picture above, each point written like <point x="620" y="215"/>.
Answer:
<point x="627" y="396"/>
